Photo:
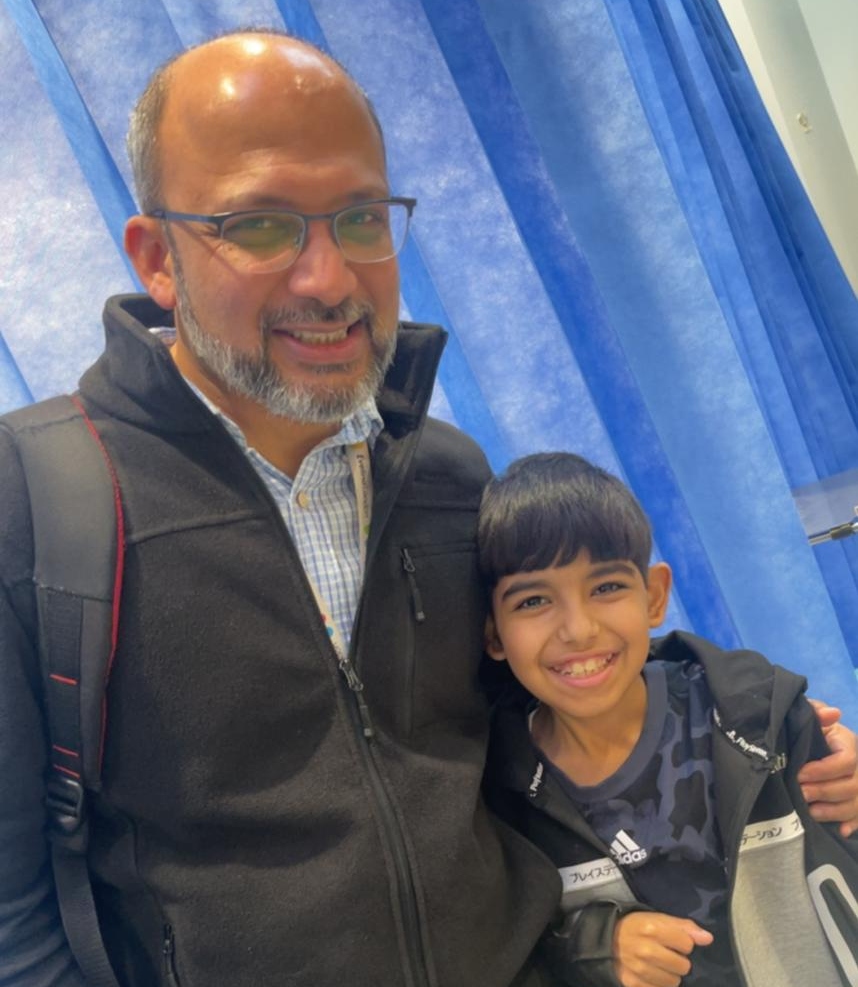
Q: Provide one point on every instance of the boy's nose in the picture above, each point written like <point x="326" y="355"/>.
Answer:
<point x="577" y="626"/>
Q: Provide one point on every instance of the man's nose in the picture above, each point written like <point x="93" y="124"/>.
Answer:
<point x="321" y="271"/>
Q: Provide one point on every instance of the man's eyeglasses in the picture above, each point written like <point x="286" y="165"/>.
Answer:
<point x="260" y="241"/>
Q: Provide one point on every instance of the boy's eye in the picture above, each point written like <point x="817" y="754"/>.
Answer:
<point x="605" y="588"/>
<point x="531" y="602"/>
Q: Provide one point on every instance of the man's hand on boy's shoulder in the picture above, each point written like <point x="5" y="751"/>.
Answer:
<point x="830" y="785"/>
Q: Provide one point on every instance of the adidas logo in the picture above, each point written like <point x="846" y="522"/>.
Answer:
<point x="625" y="851"/>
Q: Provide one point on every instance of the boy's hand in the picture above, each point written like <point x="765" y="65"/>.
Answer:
<point x="830" y="785"/>
<point x="651" y="949"/>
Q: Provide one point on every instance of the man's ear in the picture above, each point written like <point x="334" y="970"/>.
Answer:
<point x="149" y="252"/>
<point x="491" y="641"/>
<point x="658" y="582"/>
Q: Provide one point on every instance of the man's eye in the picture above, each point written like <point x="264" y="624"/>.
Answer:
<point x="363" y="226"/>
<point x="364" y="217"/>
<point x="262" y="230"/>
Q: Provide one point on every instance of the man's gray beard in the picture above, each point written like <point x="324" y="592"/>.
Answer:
<point x="255" y="375"/>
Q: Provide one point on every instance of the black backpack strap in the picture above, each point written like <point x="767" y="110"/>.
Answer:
<point x="78" y="539"/>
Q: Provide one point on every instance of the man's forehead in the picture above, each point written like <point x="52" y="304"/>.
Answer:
<point x="235" y="68"/>
<point x="265" y="100"/>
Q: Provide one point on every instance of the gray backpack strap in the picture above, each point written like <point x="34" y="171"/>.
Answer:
<point x="78" y="539"/>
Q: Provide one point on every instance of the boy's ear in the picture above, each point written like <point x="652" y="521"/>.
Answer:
<point x="658" y="582"/>
<point x="149" y="252"/>
<point x="491" y="641"/>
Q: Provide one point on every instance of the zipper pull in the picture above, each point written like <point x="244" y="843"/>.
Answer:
<point x="167" y="950"/>
<point x="355" y="684"/>
<point x="416" y="599"/>
<point x="351" y="676"/>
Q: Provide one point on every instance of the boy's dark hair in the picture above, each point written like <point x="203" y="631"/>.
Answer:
<point x="548" y="506"/>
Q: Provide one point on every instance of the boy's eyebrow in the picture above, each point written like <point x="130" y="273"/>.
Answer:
<point x="522" y="586"/>
<point x="614" y="565"/>
<point x="599" y="570"/>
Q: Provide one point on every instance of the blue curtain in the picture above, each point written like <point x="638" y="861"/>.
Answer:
<point x="607" y="226"/>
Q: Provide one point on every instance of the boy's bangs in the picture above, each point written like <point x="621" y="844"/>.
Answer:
<point x="548" y="507"/>
<point x="548" y="534"/>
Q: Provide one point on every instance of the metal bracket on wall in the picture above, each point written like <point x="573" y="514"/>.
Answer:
<point x="837" y="532"/>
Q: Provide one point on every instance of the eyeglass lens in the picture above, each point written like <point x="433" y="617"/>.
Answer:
<point x="366" y="233"/>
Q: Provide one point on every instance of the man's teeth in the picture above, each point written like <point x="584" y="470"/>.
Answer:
<point x="578" y="669"/>
<point x="319" y="338"/>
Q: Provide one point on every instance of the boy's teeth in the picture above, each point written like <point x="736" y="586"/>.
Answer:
<point x="579" y="669"/>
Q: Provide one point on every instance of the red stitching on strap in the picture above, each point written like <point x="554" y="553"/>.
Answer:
<point x="120" y="566"/>
<point x="64" y="680"/>
<point x="65" y="750"/>
<point x="66" y="771"/>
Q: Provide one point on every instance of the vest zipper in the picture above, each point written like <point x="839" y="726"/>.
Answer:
<point x="419" y="971"/>
<point x="405" y="880"/>
<point x="168" y="952"/>
<point x="411" y="575"/>
<point x="354" y="683"/>
<point x="396" y="844"/>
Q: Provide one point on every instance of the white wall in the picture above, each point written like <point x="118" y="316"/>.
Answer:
<point x="803" y="55"/>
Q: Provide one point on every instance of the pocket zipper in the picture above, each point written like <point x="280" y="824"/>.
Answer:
<point x="416" y="598"/>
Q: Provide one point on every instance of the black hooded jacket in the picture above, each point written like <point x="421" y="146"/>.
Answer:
<point x="254" y="829"/>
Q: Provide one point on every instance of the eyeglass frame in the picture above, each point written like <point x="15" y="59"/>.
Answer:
<point x="217" y="220"/>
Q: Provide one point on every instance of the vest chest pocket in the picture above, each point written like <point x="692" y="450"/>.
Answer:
<point x="429" y="658"/>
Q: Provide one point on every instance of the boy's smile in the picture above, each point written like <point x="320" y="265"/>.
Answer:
<point x="577" y="635"/>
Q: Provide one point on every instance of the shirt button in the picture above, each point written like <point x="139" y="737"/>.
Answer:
<point x="303" y="499"/>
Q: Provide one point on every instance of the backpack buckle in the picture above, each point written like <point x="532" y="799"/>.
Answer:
<point x="65" y="800"/>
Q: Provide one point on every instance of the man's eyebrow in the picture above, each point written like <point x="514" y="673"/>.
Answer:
<point x="261" y="202"/>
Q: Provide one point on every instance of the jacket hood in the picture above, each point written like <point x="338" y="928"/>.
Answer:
<point x="752" y="696"/>
<point x="156" y="385"/>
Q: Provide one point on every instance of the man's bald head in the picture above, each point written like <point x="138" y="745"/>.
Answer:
<point x="221" y="74"/>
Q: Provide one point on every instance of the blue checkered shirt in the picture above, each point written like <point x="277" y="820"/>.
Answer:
<point x="320" y="510"/>
<point x="319" y="507"/>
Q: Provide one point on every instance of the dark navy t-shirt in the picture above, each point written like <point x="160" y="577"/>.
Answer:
<point x="657" y="813"/>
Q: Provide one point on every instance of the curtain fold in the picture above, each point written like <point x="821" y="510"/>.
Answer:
<point x="790" y="308"/>
<point x="607" y="225"/>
